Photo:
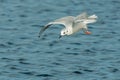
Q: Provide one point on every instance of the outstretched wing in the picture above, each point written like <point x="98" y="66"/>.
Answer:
<point x="66" y="21"/>
<point x="43" y="29"/>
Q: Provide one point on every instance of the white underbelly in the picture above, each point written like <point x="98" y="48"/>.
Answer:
<point x="76" y="29"/>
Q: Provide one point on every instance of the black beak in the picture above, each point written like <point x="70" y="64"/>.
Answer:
<point x="60" y="36"/>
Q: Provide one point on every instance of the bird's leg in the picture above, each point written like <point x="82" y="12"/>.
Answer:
<point x="86" y="31"/>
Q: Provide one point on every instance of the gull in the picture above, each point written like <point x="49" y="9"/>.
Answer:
<point x="72" y="24"/>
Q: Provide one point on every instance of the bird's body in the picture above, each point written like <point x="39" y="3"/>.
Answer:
<point x="77" y="27"/>
<point x="72" y="24"/>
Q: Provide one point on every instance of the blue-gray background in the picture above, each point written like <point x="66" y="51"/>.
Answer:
<point x="23" y="56"/>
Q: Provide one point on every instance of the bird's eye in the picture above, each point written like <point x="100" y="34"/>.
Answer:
<point x="63" y="32"/>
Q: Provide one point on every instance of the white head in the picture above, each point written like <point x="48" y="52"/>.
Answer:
<point x="64" y="32"/>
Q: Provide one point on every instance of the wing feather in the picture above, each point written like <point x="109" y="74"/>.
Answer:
<point x="66" y="21"/>
<point x="43" y="29"/>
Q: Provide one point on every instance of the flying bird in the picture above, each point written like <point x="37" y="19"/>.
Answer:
<point x="72" y="24"/>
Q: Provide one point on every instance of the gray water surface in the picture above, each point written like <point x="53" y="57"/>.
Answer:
<point x="24" y="56"/>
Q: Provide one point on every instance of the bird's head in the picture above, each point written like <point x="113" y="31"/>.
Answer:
<point x="63" y="33"/>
